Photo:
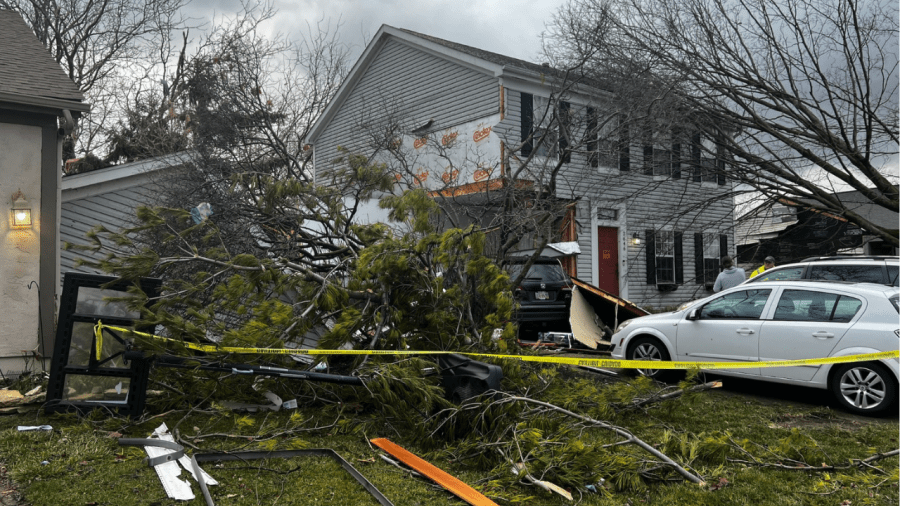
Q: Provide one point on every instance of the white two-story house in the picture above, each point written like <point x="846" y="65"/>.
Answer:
<point x="651" y="212"/>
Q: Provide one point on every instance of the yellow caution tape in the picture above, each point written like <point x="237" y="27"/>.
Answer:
<point x="591" y="362"/>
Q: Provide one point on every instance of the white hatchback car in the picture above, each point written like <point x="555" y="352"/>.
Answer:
<point x="783" y="320"/>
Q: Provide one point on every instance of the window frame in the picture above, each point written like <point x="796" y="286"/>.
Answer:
<point x="603" y="151"/>
<point x="662" y="240"/>
<point x="705" y="168"/>
<point x="711" y="267"/>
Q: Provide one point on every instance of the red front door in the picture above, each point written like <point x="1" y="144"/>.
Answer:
<point x="608" y="263"/>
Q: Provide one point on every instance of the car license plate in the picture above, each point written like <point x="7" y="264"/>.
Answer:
<point x="541" y="295"/>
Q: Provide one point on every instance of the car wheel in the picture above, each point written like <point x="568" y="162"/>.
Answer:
<point x="866" y="387"/>
<point x="649" y="348"/>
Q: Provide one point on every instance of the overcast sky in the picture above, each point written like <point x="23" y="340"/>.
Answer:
<point x="512" y="28"/>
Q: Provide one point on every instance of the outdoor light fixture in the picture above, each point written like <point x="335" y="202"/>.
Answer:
<point x="636" y="239"/>
<point x="20" y="214"/>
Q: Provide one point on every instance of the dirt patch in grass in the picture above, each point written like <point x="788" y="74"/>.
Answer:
<point x="9" y="490"/>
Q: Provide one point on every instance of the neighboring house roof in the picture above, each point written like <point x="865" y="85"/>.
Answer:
<point x="28" y="73"/>
<point x="856" y="202"/>
<point x="108" y="197"/>
<point x="765" y="222"/>
<point x="762" y="222"/>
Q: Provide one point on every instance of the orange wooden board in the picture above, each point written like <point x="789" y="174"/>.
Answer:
<point x="463" y="491"/>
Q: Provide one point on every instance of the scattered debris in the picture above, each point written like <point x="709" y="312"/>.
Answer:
<point x="546" y="485"/>
<point x="166" y="463"/>
<point x="460" y="489"/>
<point x="595" y="312"/>
<point x="10" y="397"/>
<point x="26" y="428"/>
<point x="201" y="213"/>
<point x="276" y="404"/>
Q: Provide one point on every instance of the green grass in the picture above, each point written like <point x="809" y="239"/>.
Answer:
<point x="85" y="465"/>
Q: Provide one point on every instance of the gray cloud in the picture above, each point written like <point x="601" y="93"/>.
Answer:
<point x="501" y="26"/>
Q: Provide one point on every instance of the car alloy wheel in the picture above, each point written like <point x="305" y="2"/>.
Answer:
<point x="864" y="388"/>
<point x="648" y="348"/>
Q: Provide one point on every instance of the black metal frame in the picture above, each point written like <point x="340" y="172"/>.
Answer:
<point x="137" y="371"/>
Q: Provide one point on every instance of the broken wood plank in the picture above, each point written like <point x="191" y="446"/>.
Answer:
<point x="442" y="478"/>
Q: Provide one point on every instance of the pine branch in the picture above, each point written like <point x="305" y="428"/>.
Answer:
<point x="629" y="437"/>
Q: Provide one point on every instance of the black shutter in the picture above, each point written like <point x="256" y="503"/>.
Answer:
<point x="695" y="158"/>
<point x="720" y="165"/>
<point x="648" y="152"/>
<point x="650" y="251"/>
<point x="527" y="113"/>
<point x="699" y="268"/>
<point x="624" y="147"/>
<point x="676" y="160"/>
<point x="723" y="245"/>
<point x="592" y="135"/>
<point x="563" y="119"/>
<point x="679" y="258"/>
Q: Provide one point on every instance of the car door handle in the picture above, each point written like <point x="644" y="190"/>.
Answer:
<point x="745" y="332"/>
<point x="823" y="335"/>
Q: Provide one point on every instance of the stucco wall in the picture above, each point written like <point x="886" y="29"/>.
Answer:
<point x="20" y="168"/>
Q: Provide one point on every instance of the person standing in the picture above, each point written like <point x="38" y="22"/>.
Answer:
<point x="768" y="263"/>
<point x="730" y="276"/>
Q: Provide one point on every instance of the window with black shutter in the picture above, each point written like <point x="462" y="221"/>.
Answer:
<point x="650" y="253"/>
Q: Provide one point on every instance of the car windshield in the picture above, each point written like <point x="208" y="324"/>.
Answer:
<point x="550" y="273"/>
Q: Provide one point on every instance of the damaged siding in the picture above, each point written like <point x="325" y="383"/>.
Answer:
<point x="412" y="87"/>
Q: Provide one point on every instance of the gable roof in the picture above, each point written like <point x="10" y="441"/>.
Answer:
<point x="499" y="59"/>
<point x="497" y="65"/>
<point x="28" y="73"/>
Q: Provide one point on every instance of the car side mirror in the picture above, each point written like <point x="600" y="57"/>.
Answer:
<point x="693" y="314"/>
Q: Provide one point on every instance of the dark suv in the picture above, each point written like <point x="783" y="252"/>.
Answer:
<point x="860" y="269"/>
<point x="544" y="294"/>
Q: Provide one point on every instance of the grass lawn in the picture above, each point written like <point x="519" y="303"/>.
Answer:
<point x="79" y="461"/>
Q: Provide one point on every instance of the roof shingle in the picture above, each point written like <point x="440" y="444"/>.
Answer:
<point x="26" y="66"/>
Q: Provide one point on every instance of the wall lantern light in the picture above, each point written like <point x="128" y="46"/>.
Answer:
<point x="636" y="239"/>
<point x="20" y="214"/>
